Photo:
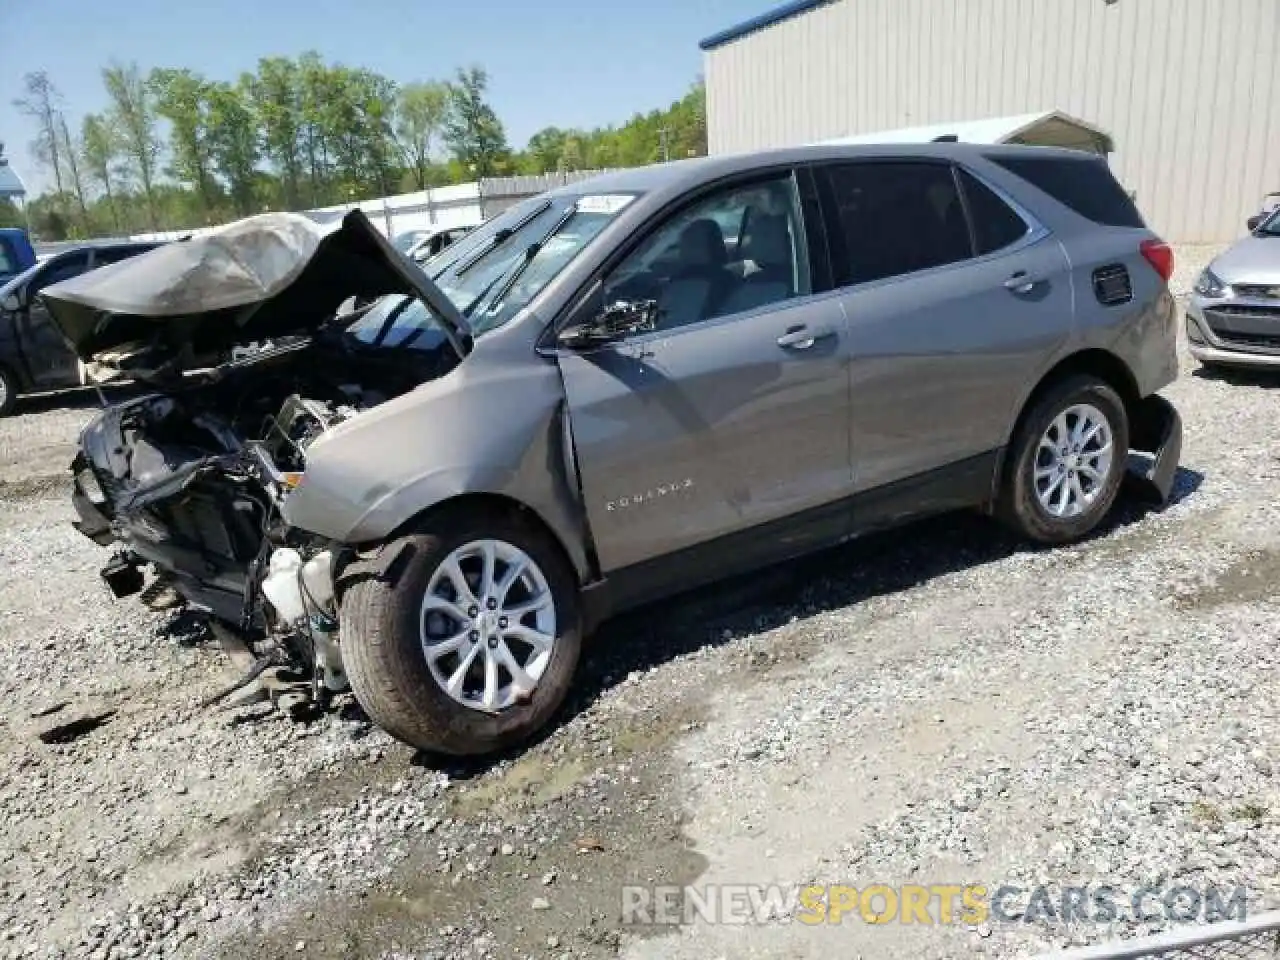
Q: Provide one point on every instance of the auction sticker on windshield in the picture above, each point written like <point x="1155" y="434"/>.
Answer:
<point x="604" y="202"/>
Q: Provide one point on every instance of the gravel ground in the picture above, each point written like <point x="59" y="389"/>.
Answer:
<point x="934" y="705"/>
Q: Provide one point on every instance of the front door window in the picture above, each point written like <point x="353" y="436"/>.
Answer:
<point x="737" y="250"/>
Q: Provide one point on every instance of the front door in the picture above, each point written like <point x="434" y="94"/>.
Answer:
<point x="49" y="360"/>
<point x="734" y="410"/>
<point x="953" y="297"/>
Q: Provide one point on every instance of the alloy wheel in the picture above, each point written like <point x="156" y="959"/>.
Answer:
<point x="1073" y="461"/>
<point x="488" y="625"/>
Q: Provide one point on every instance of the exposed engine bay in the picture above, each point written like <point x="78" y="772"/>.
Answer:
<point x="188" y="482"/>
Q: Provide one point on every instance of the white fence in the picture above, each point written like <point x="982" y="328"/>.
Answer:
<point x="461" y="205"/>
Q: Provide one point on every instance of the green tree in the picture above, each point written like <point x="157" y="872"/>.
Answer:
<point x="48" y="221"/>
<point x="134" y="114"/>
<point x="472" y="130"/>
<point x="10" y="215"/>
<point x="545" y="149"/>
<point x="419" y="124"/>
<point x="42" y="103"/>
<point x="182" y="98"/>
<point x="99" y="151"/>
<point x="69" y="151"/>
<point x="317" y="108"/>
<point x="233" y="141"/>
<point x="277" y="100"/>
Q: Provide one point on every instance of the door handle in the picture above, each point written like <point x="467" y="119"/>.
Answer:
<point x="802" y="338"/>
<point x="1021" y="282"/>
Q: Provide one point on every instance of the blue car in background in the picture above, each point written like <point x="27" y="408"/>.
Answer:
<point x="16" y="253"/>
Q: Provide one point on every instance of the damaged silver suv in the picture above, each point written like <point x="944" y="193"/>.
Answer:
<point x="431" y="483"/>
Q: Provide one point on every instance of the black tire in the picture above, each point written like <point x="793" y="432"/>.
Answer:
<point x="1018" y="506"/>
<point x="8" y="391"/>
<point x="382" y="647"/>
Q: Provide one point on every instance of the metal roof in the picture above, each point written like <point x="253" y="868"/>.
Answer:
<point x="10" y="185"/>
<point x="776" y="15"/>
<point x="987" y="130"/>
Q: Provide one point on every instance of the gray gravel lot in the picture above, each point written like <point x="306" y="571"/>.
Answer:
<point x="934" y="705"/>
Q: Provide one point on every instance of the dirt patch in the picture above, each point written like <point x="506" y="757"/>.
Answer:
<point x="27" y="488"/>
<point x="1253" y="577"/>
<point x="563" y="834"/>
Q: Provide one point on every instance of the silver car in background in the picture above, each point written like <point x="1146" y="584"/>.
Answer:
<point x="1233" y="315"/>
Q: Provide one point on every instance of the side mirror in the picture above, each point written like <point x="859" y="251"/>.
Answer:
<point x="11" y="302"/>
<point x="1254" y="222"/>
<point x="618" y="320"/>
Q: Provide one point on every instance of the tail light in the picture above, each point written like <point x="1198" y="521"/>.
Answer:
<point x="1160" y="255"/>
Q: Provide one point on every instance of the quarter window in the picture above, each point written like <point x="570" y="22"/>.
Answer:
<point x="894" y="218"/>
<point x="738" y="249"/>
<point x="995" y="224"/>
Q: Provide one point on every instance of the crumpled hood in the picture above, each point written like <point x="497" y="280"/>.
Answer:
<point x="1251" y="260"/>
<point x="266" y="276"/>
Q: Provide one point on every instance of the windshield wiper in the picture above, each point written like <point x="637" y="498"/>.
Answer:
<point x="498" y="239"/>
<point x="534" y="249"/>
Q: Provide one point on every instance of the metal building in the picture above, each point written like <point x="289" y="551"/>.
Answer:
<point x="1189" y="90"/>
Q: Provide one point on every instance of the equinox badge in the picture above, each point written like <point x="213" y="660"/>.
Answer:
<point x="654" y="493"/>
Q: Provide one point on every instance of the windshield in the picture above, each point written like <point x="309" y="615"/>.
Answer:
<point x="494" y="271"/>
<point x="398" y="322"/>
<point x="1271" y="226"/>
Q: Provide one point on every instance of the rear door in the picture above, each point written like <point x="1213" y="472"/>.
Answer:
<point x="734" y="411"/>
<point x="49" y="359"/>
<point x="953" y="295"/>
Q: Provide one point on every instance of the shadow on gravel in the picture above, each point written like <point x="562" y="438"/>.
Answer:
<point x="1239" y="376"/>
<point x="186" y="628"/>
<point x="876" y="565"/>
<point x="77" y="398"/>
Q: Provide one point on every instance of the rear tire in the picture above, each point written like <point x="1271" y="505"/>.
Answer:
<point x="1058" y="486"/>
<point x="8" y="391"/>
<point x="390" y="626"/>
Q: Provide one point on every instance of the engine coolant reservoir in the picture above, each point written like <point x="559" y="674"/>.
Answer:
<point x="317" y="574"/>
<point x="280" y="585"/>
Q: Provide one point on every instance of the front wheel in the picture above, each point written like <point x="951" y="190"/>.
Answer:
<point x="1066" y="462"/>
<point x="471" y="645"/>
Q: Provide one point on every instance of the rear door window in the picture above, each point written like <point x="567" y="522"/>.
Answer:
<point x="1086" y="185"/>
<point x="995" y="224"/>
<point x="893" y="217"/>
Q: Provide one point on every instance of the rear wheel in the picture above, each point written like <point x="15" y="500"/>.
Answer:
<point x="471" y="646"/>
<point x="1067" y="461"/>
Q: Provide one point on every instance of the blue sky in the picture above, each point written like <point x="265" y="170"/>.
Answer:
<point x="551" y="62"/>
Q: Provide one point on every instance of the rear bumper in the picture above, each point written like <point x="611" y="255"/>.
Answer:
<point x="1156" y="428"/>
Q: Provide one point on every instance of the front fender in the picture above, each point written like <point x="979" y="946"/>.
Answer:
<point x="487" y="428"/>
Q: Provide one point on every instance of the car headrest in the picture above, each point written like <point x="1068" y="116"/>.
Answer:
<point x="768" y="242"/>
<point x="702" y="244"/>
